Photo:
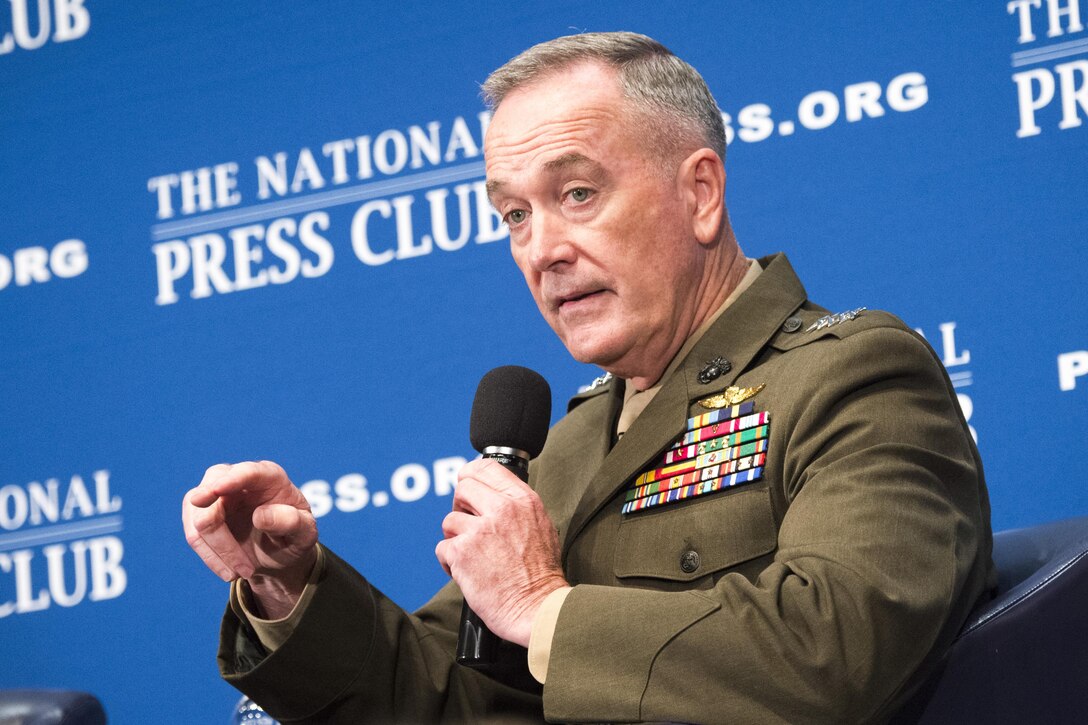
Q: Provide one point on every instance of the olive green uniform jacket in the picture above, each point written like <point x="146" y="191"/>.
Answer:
<point x="822" y="592"/>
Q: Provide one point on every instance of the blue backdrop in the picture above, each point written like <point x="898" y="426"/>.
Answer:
<point x="255" y="230"/>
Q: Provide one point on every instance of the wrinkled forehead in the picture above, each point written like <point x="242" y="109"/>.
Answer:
<point x="563" y="113"/>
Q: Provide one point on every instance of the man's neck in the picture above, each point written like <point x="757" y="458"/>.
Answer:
<point x="713" y="303"/>
<point x="635" y="399"/>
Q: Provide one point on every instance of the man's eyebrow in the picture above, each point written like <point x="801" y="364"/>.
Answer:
<point x="560" y="163"/>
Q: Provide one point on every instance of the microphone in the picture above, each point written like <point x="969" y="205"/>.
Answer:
<point x="509" y="423"/>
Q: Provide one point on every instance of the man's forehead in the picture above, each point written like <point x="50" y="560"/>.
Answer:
<point x="553" y="124"/>
<point x="569" y="160"/>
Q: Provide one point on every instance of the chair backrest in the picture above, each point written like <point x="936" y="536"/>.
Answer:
<point x="1022" y="657"/>
<point x="50" y="707"/>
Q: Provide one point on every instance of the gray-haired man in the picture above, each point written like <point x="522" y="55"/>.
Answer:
<point x="765" y="512"/>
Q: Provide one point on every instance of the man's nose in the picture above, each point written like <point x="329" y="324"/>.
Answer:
<point x="551" y="242"/>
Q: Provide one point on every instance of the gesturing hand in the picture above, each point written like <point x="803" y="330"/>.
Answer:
<point x="248" y="520"/>
<point x="501" y="548"/>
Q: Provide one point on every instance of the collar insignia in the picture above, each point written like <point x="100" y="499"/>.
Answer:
<point x="714" y="369"/>
<point x="730" y="396"/>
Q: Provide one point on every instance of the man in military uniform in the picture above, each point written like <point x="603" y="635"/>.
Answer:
<point x="765" y="512"/>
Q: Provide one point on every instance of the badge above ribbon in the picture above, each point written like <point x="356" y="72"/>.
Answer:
<point x="730" y="396"/>
<point x="718" y="450"/>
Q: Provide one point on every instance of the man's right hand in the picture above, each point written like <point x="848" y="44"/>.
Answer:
<point x="249" y="521"/>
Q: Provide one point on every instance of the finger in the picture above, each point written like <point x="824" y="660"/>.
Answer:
<point x="197" y="543"/>
<point x="443" y="551"/>
<point x="457" y="523"/>
<point x="495" y="476"/>
<point x="298" y="527"/>
<point x="462" y="498"/>
<point x="479" y="498"/>
<point x="213" y="561"/>
<point x="203" y="495"/>
<point x="211" y="525"/>
<point x="251" y="476"/>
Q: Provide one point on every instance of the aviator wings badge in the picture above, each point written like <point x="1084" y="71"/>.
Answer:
<point x="730" y="396"/>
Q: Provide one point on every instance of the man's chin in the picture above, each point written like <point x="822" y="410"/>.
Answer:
<point x="592" y="352"/>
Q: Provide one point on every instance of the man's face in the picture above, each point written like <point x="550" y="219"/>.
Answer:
<point x="602" y="235"/>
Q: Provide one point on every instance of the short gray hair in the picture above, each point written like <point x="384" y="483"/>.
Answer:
<point x="673" y="96"/>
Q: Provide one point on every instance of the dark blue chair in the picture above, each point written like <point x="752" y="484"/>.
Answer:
<point x="1022" y="657"/>
<point x="50" y="707"/>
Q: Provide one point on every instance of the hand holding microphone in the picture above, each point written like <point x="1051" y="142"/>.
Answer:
<point x="500" y="545"/>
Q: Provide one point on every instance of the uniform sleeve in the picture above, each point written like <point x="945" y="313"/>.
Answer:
<point x="881" y="553"/>
<point x="274" y="632"/>
<point x="355" y="656"/>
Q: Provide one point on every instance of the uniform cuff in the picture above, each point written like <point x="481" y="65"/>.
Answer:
<point x="274" y="632"/>
<point x="540" y="638"/>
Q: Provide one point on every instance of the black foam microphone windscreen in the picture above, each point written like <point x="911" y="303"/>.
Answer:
<point x="512" y="409"/>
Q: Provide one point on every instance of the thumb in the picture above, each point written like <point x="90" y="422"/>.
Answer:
<point x="277" y="519"/>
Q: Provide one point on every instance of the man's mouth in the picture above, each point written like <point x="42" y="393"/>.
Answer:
<point x="572" y="300"/>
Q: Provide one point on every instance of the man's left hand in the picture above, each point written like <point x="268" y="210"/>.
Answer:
<point x="501" y="548"/>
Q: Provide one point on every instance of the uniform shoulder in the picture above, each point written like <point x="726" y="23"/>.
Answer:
<point x="807" y="325"/>
<point x="600" y="385"/>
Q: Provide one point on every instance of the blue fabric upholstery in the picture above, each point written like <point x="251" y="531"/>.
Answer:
<point x="1022" y="657"/>
<point x="50" y="707"/>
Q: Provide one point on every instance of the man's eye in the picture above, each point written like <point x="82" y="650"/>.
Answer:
<point x="580" y="195"/>
<point x="517" y="216"/>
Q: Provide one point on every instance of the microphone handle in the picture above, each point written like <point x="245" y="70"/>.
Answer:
<point x="478" y="646"/>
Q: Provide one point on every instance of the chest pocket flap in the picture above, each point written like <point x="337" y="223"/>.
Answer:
<point x="689" y="540"/>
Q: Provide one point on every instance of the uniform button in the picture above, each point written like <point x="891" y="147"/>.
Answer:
<point x="689" y="561"/>
<point x="792" y="324"/>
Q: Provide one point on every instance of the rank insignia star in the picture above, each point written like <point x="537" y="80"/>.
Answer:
<point x="597" y="382"/>
<point x="730" y="396"/>
<point x="832" y="320"/>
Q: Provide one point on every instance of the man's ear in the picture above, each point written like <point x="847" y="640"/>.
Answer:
<point x="703" y="176"/>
